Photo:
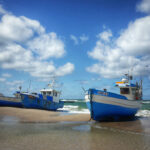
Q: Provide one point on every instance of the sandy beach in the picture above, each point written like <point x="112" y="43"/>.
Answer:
<point x="40" y="116"/>
<point x="30" y="129"/>
<point x="23" y="115"/>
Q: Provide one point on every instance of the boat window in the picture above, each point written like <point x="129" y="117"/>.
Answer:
<point x="133" y="91"/>
<point x="48" y="93"/>
<point x="56" y="94"/>
<point x="34" y="93"/>
<point x="124" y="91"/>
<point x="44" y="93"/>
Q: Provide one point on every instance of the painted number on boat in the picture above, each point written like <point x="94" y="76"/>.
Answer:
<point x="102" y="93"/>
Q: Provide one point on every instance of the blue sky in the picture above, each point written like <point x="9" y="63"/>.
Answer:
<point x="84" y="43"/>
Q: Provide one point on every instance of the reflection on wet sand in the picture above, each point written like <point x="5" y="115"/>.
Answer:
<point x="14" y="115"/>
<point x="26" y="129"/>
<point x="139" y="125"/>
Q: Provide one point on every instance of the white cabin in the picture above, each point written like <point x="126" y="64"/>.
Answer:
<point x="51" y="92"/>
<point x="129" y="90"/>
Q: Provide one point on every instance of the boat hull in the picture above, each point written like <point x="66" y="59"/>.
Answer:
<point x="35" y="102"/>
<point x="10" y="102"/>
<point x="101" y="111"/>
<point x="104" y="107"/>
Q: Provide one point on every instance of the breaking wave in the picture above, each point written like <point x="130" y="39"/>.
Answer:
<point x="143" y="113"/>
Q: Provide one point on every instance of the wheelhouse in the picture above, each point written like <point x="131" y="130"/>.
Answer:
<point x="131" y="91"/>
<point x="50" y="92"/>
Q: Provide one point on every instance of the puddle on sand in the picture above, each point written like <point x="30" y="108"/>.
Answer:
<point x="9" y="120"/>
<point x="82" y="128"/>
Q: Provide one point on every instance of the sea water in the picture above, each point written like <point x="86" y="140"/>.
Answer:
<point x="75" y="106"/>
<point x="145" y="109"/>
<point x="79" y="106"/>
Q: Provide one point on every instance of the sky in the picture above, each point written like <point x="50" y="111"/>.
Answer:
<point x="83" y="43"/>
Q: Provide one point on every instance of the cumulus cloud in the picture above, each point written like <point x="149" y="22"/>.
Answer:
<point x="135" y="39"/>
<point x="25" y="46"/>
<point x="130" y="51"/>
<point x="18" y="29"/>
<point x="2" y="10"/>
<point x="47" y="45"/>
<point x="105" y="35"/>
<point x="67" y="68"/>
<point x="143" y="6"/>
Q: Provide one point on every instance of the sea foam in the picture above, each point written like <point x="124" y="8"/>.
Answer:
<point x="143" y="113"/>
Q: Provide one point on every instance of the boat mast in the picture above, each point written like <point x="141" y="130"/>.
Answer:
<point x="52" y="84"/>
<point x="141" y="88"/>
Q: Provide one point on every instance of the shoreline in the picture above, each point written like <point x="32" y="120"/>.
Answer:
<point x="23" y="115"/>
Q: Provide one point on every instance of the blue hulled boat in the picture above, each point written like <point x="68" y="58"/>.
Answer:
<point x="48" y="99"/>
<point x="105" y="105"/>
<point x="10" y="101"/>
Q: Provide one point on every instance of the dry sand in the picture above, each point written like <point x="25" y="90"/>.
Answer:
<point x="40" y="116"/>
<point x="141" y="125"/>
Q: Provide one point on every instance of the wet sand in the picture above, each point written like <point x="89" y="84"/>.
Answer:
<point x="41" y="130"/>
<point x="139" y="125"/>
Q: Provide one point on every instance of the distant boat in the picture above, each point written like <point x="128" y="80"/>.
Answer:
<point x="10" y="101"/>
<point x="104" y="105"/>
<point x="48" y="99"/>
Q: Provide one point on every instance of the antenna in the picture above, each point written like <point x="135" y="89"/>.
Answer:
<point x="127" y="75"/>
<point x="83" y="89"/>
<point x="53" y="82"/>
<point x="29" y="86"/>
<point x="20" y="87"/>
<point x="141" y="87"/>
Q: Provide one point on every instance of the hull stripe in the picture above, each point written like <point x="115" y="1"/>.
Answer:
<point x="115" y="101"/>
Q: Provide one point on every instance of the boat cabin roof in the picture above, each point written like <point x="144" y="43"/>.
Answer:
<point x="125" y="84"/>
<point x="49" y="90"/>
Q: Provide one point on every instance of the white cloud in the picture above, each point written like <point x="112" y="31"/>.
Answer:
<point x="105" y="35"/>
<point x="18" y="29"/>
<point x="84" y="38"/>
<point x="2" y="79"/>
<point x="135" y="40"/>
<point x="2" y="10"/>
<point x="47" y="45"/>
<point x="131" y="50"/>
<point x="74" y="38"/>
<point x="25" y="46"/>
<point x="99" y="52"/>
<point x="6" y="75"/>
<point x="66" y="69"/>
<point x="143" y="6"/>
<point x="77" y="40"/>
<point x="18" y="58"/>
<point x="15" y="83"/>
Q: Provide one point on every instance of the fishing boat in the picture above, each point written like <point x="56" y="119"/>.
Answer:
<point x="10" y="101"/>
<point x="48" y="99"/>
<point x="104" y="105"/>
